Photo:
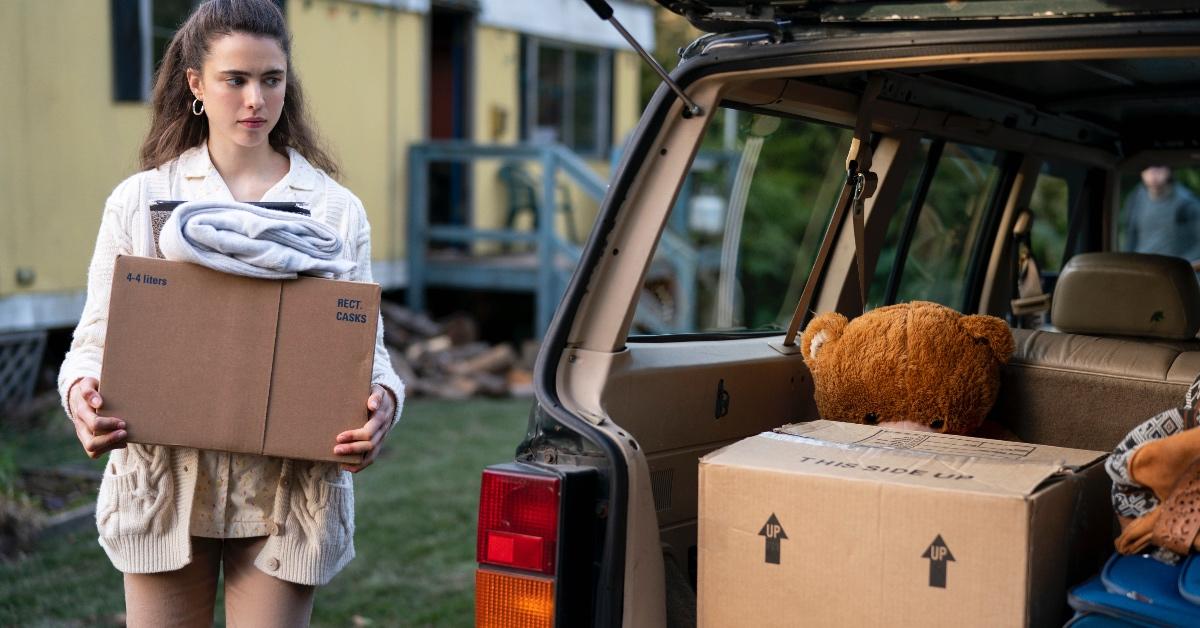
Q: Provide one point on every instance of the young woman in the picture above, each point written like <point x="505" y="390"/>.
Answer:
<point x="228" y="124"/>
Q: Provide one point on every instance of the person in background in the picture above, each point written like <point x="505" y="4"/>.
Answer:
<point x="228" y="124"/>
<point x="1164" y="217"/>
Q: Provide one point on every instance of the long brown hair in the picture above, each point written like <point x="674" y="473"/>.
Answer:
<point x="173" y="128"/>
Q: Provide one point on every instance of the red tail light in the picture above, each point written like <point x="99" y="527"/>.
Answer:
<point x="536" y="545"/>
<point x="518" y="521"/>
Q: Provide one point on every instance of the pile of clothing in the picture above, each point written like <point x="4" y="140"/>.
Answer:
<point x="1154" y="578"/>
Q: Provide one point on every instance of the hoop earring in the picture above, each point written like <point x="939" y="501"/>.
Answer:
<point x="196" y="101"/>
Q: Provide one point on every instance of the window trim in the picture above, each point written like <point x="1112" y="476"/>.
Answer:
<point x="146" y="35"/>
<point x="125" y="44"/>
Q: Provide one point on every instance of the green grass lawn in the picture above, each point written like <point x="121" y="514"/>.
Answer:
<point x="415" y="536"/>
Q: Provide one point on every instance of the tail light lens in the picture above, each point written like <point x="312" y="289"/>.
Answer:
<point x="504" y="600"/>
<point x="537" y="545"/>
<point x="518" y="521"/>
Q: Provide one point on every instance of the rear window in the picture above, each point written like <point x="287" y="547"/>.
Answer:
<point x="1160" y="212"/>
<point x="746" y="228"/>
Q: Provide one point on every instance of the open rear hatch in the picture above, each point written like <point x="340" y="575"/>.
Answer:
<point x="721" y="16"/>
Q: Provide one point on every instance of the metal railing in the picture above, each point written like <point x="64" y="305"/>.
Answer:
<point x="555" y="256"/>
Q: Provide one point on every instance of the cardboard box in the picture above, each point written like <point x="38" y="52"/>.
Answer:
<point x="199" y="358"/>
<point x="835" y="524"/>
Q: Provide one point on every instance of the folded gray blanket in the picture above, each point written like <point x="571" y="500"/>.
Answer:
<point x="243" y="239"/>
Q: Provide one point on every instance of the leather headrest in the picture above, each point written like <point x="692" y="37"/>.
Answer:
<point x="1127" y="294"/>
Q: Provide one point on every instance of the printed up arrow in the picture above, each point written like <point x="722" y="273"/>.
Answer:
<point x="772" y="533"/>
<point x="938" y="554"/>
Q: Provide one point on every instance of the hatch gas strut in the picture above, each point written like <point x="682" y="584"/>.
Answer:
<point x="605" y="12"/>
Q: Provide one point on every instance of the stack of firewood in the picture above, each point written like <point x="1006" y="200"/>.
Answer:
<point x="446" y="358"/>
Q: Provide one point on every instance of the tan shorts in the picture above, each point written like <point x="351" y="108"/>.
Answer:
<point x="186" y="597"/>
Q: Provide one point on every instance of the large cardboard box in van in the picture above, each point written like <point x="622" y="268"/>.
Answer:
<point x="198" y="358"/>
<point x="835" y="524"/>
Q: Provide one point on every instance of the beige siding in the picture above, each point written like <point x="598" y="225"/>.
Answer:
<point x="497" y="110"/>
<point x="12" y="138"/>
<point x="363" y="72"/>
<point x="66" y="144"/>
<point x="627" y="106"/>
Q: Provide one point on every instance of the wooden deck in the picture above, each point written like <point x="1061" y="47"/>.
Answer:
<point x="506" y="272"/>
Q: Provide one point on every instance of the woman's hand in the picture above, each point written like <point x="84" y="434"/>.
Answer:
<point x="97" y="434"/>
<point x="367" y="439"/>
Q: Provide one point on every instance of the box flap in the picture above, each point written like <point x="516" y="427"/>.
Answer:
<point x="325" y="348"/>
<point x="941" y="444"/>
<point x="788" y="453"/>
<point x="215" y="380"/>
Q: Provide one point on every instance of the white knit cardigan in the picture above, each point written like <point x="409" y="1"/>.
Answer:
<point x="144" y="506"/>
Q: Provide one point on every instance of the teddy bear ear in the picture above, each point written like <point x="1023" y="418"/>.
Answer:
<point x="820" y="330"/>
<point x="994" y="332"/>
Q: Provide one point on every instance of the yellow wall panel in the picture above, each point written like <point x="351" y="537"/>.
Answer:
<point x="627" y="107"/>
<point x="71" y="146"/>
<point x="497" y="110"/>
<point x="363" y="74"/>
<point x="497" y="99"/>
<point x="12" y="137"/>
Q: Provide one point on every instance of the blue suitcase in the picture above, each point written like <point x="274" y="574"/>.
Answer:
<point x="1139" y="591"/>
<point x="1189" y="579"/>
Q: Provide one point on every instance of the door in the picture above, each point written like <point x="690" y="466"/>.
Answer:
<point x="449" y="106"/>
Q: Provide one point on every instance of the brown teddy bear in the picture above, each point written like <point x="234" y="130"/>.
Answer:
<point x="920" y="364"/>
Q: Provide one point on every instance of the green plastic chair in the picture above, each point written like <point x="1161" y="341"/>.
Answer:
<point x="522" y="196"/>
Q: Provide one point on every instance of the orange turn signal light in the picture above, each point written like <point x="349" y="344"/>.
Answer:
<point x="504" y="600"/>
